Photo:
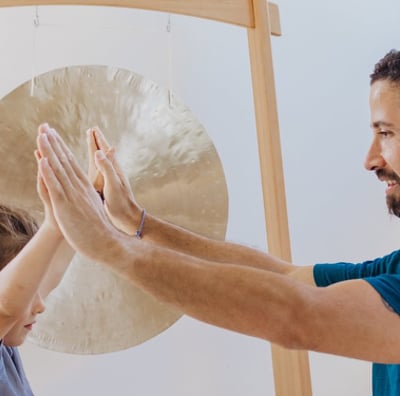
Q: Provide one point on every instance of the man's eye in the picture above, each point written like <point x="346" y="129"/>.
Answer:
<point x="384" y="133"/>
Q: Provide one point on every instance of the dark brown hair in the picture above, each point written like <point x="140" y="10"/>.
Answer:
<point x="388" y="68"/>
<point x="17" y="227"/>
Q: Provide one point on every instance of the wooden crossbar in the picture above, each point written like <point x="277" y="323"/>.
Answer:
<point x="236" y="12"/>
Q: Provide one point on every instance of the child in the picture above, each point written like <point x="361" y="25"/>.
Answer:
<point x="32" y="262"/>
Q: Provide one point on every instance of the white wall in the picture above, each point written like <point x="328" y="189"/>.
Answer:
<point x="336" y="209"/>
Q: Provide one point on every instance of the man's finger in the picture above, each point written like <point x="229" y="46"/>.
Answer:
<point x="79" y="178"/>
<point x="42" y="189"/>
<point x="92" y="147"/>
<point x="38" y="156"/>
<point x="95" y="176"/>
<point x="101" y="141"/>
<point x="48" y="153"/>
<point x="69" y="161"/>
<point x="98" y="182"/>
<point x="124" y="180"/>
<point x="60" y="159"/>
<point x="50" y="180"/>
<point x="43" y="128"/>
<point x="105" y="166"/>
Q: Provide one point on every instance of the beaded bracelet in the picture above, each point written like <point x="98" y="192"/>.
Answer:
<point x="139" y="231"/>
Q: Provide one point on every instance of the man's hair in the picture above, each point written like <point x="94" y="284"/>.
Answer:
<point x="388" y="68"/>
<point x="17" y="227"/>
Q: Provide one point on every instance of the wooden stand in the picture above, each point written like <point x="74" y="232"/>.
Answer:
<point x="261" y="19"/>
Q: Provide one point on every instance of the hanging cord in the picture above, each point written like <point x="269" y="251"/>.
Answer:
<point x="170" y="59"/>
<point x="36" y="24"/>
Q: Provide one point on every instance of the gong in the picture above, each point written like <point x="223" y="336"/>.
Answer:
<point x="172" y="166"/>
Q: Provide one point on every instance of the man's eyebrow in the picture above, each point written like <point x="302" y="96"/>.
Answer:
<point x="378" y="124"/>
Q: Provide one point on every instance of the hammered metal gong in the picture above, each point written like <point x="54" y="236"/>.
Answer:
<point x="174" y="171"/>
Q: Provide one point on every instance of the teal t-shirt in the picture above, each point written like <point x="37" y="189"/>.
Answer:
<point x="383" y="274"/>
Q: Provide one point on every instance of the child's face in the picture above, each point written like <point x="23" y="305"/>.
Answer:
<point x="17" y="334"/>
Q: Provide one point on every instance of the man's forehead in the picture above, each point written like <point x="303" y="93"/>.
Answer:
<point x="385" y="104"/>
<point x="384" y="88"/>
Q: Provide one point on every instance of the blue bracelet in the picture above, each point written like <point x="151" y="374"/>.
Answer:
<point x="139" y="231"/>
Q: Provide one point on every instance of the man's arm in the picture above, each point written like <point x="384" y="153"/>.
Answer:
<point x="125" y="214"/>
<point x="347" y="318"/>
<point x="171" y="236"/>
<point x="162" y="233"/>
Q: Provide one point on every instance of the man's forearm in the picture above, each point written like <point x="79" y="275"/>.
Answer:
<point x="248" y="300"/>
<point x="177" y="238"/>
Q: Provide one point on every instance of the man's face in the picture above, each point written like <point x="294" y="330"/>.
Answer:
<point x="383" y="156"/>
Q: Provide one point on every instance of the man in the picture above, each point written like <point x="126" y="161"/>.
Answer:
<point x="233" y="286"/>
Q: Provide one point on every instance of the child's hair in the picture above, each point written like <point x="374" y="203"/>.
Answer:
<point x="17" y="227"/>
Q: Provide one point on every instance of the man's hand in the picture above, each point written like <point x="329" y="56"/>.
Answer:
<point x="112" y="184"/>
<point x="96" y="142"/>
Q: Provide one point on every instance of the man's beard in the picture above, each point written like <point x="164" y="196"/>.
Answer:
<point x="393" y="204"/>
<point x="393" y="199"/>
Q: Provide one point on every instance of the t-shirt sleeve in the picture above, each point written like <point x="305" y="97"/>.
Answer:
<point x="388" y="286"/>
<point x="326" y="274"/>
<point x="383" y="274"/>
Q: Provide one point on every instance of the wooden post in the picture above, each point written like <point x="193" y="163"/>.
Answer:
<point x="291" y="368"/>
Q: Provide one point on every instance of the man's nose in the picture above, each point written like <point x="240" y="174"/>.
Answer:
<point x="374" y="159"/>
